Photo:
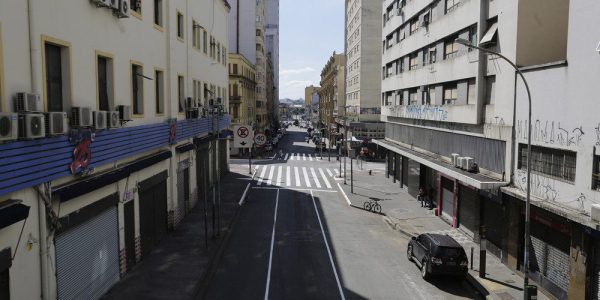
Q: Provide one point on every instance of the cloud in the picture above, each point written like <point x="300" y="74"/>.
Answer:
<point x="296" y="71"/>
<point x="297" y="83"/>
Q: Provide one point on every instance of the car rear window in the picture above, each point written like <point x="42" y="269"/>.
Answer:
<point x="446" y="251"/>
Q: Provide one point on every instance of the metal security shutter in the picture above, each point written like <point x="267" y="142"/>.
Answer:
<point x="87" y="257"/>
<point x="182" y="190"/>
<point x="551" y="255"/>
<point x="596" y="273"/>
<point x="447" y="200"/>
<point x="468" y="210"/>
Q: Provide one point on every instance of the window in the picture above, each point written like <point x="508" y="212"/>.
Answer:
<point x="451" y="5"/>
<point x="219" y="51"/>
<point x="490" y="89"/>
<point x="234" y="69"/>
<point x="195" y="35"/>
<point x="413" y="62"/>
<point x="414" y="25"/>
<point x="412" y="97"/>
<point x="205" y="93"/>
<point x="159" y="95"/>
<point x="136" y="8"/>
<point x="57" y="76"/>
<point x="137" y="88"/>
<point x="432" y="55"/>
<point x="181" y="93"/>
<point x="224" y="58"/>
<point x="180" y="26"/>
<point x="596" y="173"/>
<point x="450" y="94"/>
<point x="158" y="13"/>
<point x="555" y="163"/>
<point x="205" y="41"/>
<point x="105" y="82"/>
<point x="450" y="48"/>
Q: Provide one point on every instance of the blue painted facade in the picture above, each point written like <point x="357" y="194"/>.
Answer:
<point x="25" y="164"/>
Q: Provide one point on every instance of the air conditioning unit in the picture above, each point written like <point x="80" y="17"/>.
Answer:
<point x="189" y="103"/>
<point x="81" y="117"/>
<point x="102" y="3"/>
<point x="455" y="159"/>
<point x="468" y="163"/>
<point x="114" y="4"/>
<point x="32" y="126"/>
<point x="56" y="123"/>
<point x="192" y="113"/>
<point x="113" y="119"/>
<point x="461" y="162"/>
<point x="9" y="126"/>
<point x="123" y="11"/>
<point x="27" y="102"/>
<point x="100" y="121"/>
<point x="124" y="112"/>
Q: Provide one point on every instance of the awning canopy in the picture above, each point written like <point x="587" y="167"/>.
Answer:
<point x="11" y="212"/>
<point x="475" y="180"/>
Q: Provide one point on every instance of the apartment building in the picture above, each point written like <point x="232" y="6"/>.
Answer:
<point x="272" y="43"/>
<point x="103" y="145"/>
<point x="331" y="94"/>
<point x="308" y="94"/>
<point x="363" y="83"/>
<point x="457" y="124"/>
<point x="242" y="86"/>
<point x="247" y="37"/>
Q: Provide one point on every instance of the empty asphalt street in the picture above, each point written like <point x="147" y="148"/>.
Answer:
<point x="297" y="238"/>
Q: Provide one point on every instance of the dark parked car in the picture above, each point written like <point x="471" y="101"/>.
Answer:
<point x="437" y="254"/>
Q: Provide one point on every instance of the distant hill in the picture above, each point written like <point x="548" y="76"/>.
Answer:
<point x="292" y="101"/>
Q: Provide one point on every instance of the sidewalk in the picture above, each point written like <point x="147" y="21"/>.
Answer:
<point x="182" y="263"/>
<point x="403" y="213"/>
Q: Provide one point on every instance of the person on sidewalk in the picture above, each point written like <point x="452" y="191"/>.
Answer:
<point x="421" y="196"/>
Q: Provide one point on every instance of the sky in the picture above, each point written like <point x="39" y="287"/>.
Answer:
<point x="310" y="30"/>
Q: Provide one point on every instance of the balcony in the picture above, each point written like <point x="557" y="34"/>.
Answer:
<point x="466" y="114"/>
<point x="235" y="99"/>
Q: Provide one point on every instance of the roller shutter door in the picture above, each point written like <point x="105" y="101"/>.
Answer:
<point x="596" y="273"/>
<point x="87" y="257"/>
<point x="551" y="255"/>
<point x="447" y="200"/>
<point x="468" y="210"/>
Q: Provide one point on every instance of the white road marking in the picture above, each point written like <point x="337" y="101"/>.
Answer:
<point x="306" y="177"/>
<point x="337" y="279"/>
<point x="324" y="178"/>
<point x="344" y="193"/>
<point x="310" y="157"/>
<point x="303" y="156"/>
<point x="279" y="173"/>
<point x="270" y="180"/>
<point x="293" y="189"/>
<point x="337" y="173"/>
<point x="272" y="244"/>
<point x="286" y="156"/>
<point x="262" y="175"/>
<point x="315" y="178"/>
<point x="288" y="180"/>
<point x="244" y="195"/>
<point x="297" y="176"/>
<point x="329" y="172"/>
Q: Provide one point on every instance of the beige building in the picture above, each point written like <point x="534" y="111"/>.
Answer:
<point x="308" y="94"/>
<point x="363" y="61"/>
<point x="242" y="90"/>
<point x="331" y="94"/>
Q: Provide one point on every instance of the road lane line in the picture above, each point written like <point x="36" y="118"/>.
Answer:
<point x="270" y="180"/>
<point x="286" y="156"/>
<point x="306" y="177"/>
<point x="324" y="178"/>
<point x="279" y="173"/>
<point x="329" y="172"/>
<point x="297" y="176"/>
<point x="344" y="194"/>
<point x="288" y="180"/>
<point x="337" y="279"/>
<point x="262" y="175"/>
<point x="244" y="195"/>
<point x="315" y="178"/>
<point x="272" y="244"/>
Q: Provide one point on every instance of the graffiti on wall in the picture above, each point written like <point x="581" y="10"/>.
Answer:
<point x="424" y="112"/>
<point x="550" y="132"/>
<point x="597" y="128"/>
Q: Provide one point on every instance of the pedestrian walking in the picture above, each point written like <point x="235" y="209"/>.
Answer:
<point x="421" y="196"/>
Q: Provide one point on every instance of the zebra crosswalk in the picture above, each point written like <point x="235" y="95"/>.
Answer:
<point x="295" y="177"/>
<point x="297" y="156"/>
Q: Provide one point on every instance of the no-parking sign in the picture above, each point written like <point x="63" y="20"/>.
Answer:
<point x="242" y="136"/>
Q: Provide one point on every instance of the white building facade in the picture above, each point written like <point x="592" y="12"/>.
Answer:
<point x="126" y="152"/>
<point x="272" y="43"/>
<point x="447" y="108"/>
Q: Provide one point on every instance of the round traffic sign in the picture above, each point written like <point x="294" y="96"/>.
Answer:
<point x="243" y="132"/>
<point x="260" y="139"/>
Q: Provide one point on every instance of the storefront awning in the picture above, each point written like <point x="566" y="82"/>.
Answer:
<point x="11" y="212"/>
<point x="478" y="181"/>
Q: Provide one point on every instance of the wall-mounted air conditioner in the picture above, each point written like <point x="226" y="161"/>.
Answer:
<point x="123" y="11"/>
<point x="124" y="112"/>
<point x="100" y="121"/>
<point x="25" y="102"/>
<point x="56" y="123"/>
<point x="102" y="3"/>
<point x="81" y="117"/>
<point x="455" y="159"/>
<point x="114" y="4"/>
<point x="113" y="119"/>
<point x="468" y="163"/>
<point x="461" y="162"/>
<point x="192" y="113"/>
<point x="9" y="126"/>
<point x="32" y="126"/>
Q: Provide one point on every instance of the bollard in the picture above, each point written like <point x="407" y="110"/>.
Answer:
<point x="472" y="251"/>
<point x="482" y="249"/>
<point x="370" y="172"/>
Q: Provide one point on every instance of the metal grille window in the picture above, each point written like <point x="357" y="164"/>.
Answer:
<point x="596" y="173"/>
<point x="451" y="5"/>
<point x="555" y="163"/>
<point x="414" y="25"/>
<point x="450" y="48"/>
<point x="413" y="63"/>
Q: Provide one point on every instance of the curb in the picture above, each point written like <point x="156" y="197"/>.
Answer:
<point x="471" y="280"/>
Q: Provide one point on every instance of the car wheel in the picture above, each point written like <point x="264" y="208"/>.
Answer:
<point x="424" y="271"/>
<point x="409" y="253"/>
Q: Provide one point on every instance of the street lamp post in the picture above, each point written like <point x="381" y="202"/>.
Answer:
<point x="527" y="202"/>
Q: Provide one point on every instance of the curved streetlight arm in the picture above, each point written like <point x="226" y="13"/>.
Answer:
<point x="527" y="204"/>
